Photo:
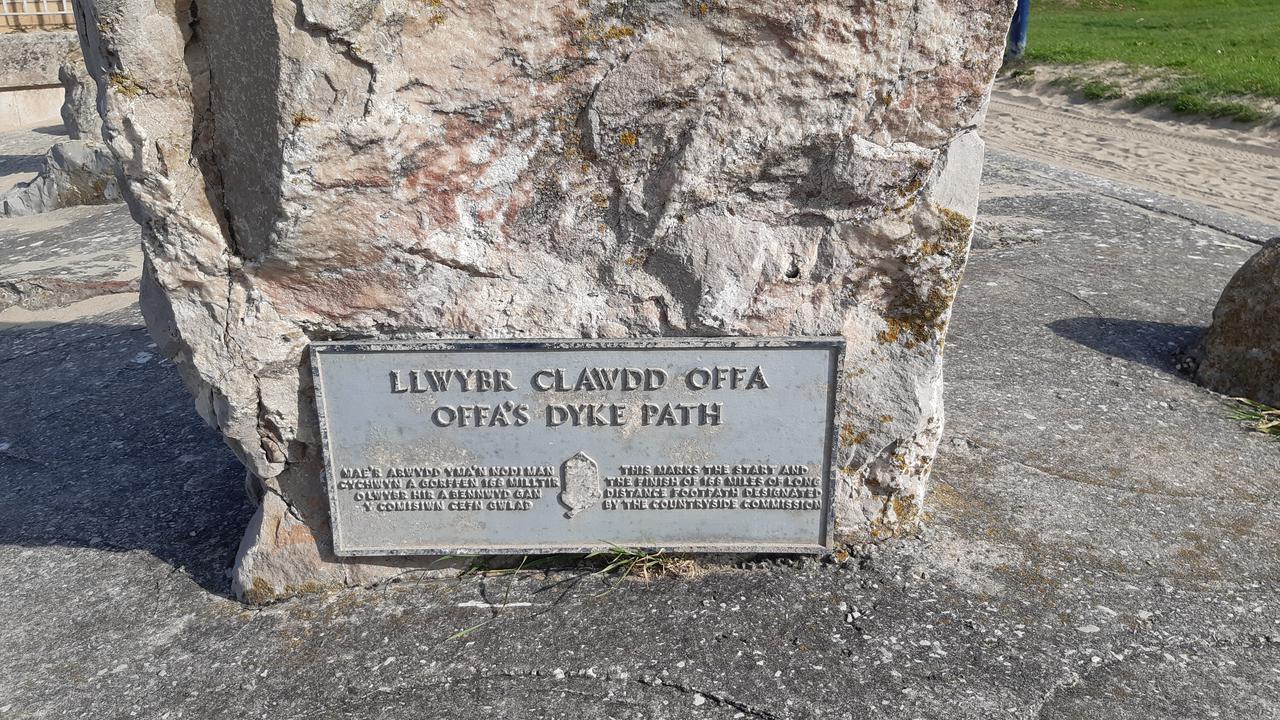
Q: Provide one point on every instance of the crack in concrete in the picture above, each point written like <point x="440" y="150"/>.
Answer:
<point x="1098" y="483"/>
<point x="1157" y="209"/>
<point x="1036" y="281"/>
<point x="747" y="709"/>
<point x="1074" y="180"/>
<point x="742" y="707"/>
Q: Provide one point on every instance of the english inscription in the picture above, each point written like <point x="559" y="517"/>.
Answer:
<point x="567" y="446"/>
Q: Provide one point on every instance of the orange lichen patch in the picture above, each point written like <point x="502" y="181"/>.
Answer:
<point x="849" y="436"/>
<point x="886" y="418"/>
<point x="434" y="11"/>
<point x="945" y="496"/>
<point x="126" y="85"/>
<point x="595" y="31"/>
<point x="628" y="139"/>
<point x="617" y="32"/>
<point x="703" y="8"/>
<point x="300" y="118"/>
<point x="638" y="259"/>
<point x="912" y="187"/>
<point x="909" y="192"/>
<point x="900" y="516"/>
<point x="260" y="592"/>
<point x="956" y="226"/>
<point x="918" y="314"/>
<point x="921" y="321"/>
<point x="305" y="588"/>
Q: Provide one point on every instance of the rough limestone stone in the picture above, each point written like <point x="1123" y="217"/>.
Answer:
<point x="80" y="115"/>
<point x="1240" y="355"/>
<point x="319" y="169"/>
<point x="74" y="172"/>
<point x="31" y="59"/>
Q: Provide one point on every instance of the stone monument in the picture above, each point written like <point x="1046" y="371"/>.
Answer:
<point x="704" y="175"/>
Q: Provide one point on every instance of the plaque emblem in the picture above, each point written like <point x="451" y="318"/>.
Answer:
<point x="579" y="484"/>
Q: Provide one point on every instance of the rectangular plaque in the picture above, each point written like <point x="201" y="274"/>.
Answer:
<point x="696" y="445"/>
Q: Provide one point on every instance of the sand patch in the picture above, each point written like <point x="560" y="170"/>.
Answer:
<point x="1236" y="169"/>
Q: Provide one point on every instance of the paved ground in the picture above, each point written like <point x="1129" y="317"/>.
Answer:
<point x="22" y="152"/>
<point x="1104" y="541"/>
<point x="66" y="264"/>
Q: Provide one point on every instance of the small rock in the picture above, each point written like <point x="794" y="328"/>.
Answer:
<point x="74" y="172"/>
<point x="1236" y="357"/>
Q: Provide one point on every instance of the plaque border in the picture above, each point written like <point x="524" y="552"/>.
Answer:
<point x="834" y="344"/>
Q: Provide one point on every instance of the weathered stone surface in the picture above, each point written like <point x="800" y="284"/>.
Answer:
<point x="1240" y="354"/>
<point x="31" y="59"/>
<point x="74" y="172"/>
<point x="80" y="115"/>
<point x="316" y="170"/>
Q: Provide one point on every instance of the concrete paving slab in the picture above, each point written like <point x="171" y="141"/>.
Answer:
<point x="53" y="259"/>
<point x="22" y="153"/>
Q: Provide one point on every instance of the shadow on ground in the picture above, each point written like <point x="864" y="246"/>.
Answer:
<point x="100" y="447"/>
<point x="14" y="164"/>
<point x="1154" y="344"/>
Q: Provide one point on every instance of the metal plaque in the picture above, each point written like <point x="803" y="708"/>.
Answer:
<point x="707" y="444"/>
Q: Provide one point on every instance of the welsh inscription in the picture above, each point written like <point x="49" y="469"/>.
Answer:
<point x="714" y="444"/>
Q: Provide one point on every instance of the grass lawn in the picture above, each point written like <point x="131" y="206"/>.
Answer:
<point x="1218" y="52"/>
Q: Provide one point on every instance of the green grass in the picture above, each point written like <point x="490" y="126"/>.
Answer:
<point x="1189" y="102"/>
<point x="1261" y="418"/>
<point x="1098" y="90"/>
<point x="1090" y="89"/>
<point x="625" y="562"/>
<point x="1212" y="49"/>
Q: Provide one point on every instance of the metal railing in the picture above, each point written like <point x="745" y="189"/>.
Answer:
<point x="19" y="15"/>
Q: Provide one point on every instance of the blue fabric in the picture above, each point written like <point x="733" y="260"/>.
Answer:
<point x="1018" y="31"/>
